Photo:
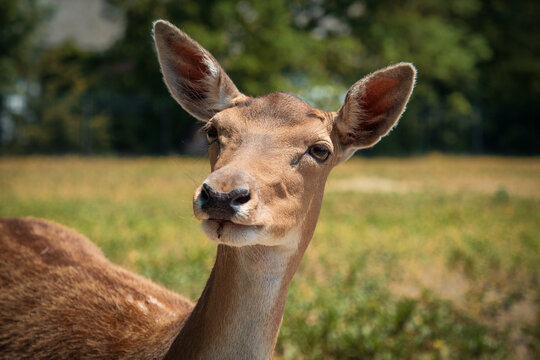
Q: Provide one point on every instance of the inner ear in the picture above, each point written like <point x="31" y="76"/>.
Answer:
<point x="191" y="64"/>
<point x="373" y="106"/>
<point x="194" y="78"/>
<point x="377" y="102"/>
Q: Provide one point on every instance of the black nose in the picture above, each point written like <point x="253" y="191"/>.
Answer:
<point x="222" y="206"/>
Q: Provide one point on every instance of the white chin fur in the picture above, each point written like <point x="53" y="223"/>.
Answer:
<point x="232" y="234"/>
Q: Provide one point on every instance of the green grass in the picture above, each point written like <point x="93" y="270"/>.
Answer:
<point x="430" y="257"/>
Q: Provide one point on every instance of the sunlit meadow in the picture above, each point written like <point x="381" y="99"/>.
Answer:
<point x="426" y="257"/>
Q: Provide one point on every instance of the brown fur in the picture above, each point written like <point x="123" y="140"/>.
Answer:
<point x="60" y="298"/>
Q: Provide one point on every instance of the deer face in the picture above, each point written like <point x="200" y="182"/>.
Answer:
<point x="270" y="156"/>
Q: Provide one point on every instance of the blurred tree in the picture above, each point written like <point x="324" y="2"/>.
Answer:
<point x="477" y="61"/>
<point x="436" y="37"/>
<point x="510" y="79"/>
<point x="48" y="85"/>
<point x="259" y="45"/>
<point x="18" y="19"/>
<point x="59" y="118"/>
<point x="255" y="41"/>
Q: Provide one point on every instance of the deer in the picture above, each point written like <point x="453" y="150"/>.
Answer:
<point x="269" y="156"/>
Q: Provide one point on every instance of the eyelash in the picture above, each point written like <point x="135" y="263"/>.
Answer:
<point x="308" y="152"/>
<point x="211" y="133"/>
<point x="312" y="150"/>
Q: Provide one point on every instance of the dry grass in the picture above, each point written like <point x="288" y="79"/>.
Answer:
<point x="456" y="232"/>
<point x="441" y="174"/>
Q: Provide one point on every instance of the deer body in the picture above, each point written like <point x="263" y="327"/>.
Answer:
<point x="269" y="156"/>
<point x="62" y="299"/>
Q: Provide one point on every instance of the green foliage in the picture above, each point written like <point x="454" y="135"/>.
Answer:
<point x="476" y="89"/>
<point x="255" y="42"/>
<point x="360" y="319"/>
<point x="18" y="19"/>
<point x="510" y="79"/>
<point x="61" y="119"/>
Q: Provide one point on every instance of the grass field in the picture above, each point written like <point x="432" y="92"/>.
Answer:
<point x="428" y="257"/>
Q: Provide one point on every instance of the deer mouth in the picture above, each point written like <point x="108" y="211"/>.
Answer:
<point x="231" y="233"/>
<point x="221" y="224"/>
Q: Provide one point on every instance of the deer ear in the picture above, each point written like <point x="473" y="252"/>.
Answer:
<point x="373" y="106"/>
<point x="194" y="78"/>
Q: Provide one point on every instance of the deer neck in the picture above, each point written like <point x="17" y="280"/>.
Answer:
<point x="239" y="313"/>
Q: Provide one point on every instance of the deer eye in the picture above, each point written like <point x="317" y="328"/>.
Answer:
<point x="319" y="152"/>
<point x="211" y="134"/>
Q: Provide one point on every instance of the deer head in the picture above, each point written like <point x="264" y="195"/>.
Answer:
<point x="270" y="156"/>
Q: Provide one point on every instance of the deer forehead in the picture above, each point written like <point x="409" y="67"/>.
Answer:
<point x="275" y="118"/>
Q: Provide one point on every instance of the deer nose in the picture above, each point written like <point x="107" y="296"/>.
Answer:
<point x="220" y="205"/>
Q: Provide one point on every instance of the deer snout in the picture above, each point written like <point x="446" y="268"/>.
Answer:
<point x="222" y="206"/>
<point x="227" y="194"/>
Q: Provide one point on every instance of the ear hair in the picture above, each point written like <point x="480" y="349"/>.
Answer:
<point x="194" y="78"/>
<point x="373" y="106"/>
